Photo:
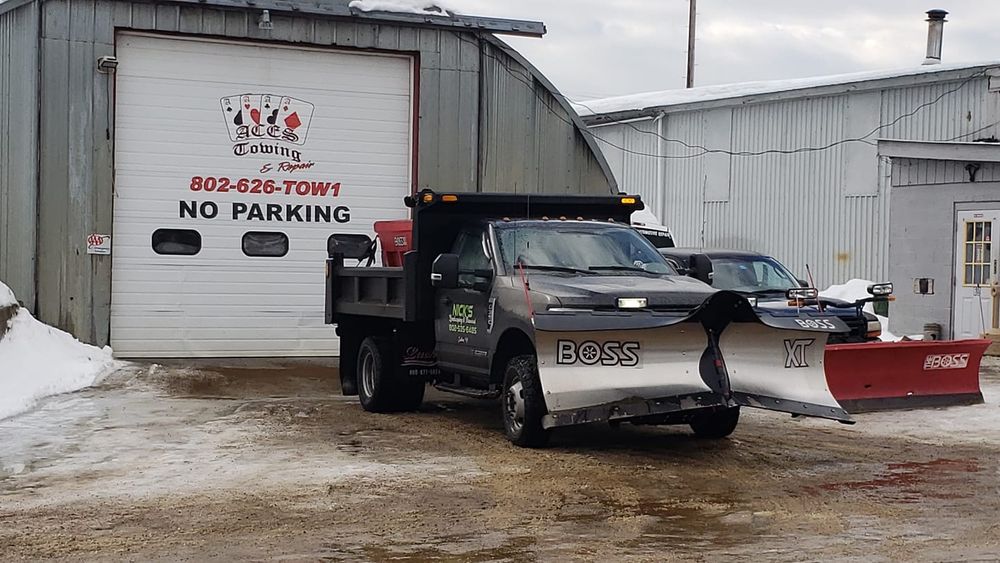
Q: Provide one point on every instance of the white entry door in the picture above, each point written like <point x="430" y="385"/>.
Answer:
<point x="975" y="272"/>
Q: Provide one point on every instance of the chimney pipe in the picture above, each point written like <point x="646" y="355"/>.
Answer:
<point x="935" y="36"/>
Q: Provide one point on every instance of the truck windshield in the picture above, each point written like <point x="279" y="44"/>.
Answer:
<point x="578" y="247"/>
<point x="752" y="274"/>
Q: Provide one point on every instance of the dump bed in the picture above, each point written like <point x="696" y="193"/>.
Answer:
<point x="379" y="292"/>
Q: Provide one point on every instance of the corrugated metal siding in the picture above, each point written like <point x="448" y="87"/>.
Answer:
<point x="19" y="36"/>
<point x="966" y="114"/>
<point x="796" y="207"/>
<point x="530" y="143"/>
<point x="76" y="159"/>
<point x="913" y="172"/>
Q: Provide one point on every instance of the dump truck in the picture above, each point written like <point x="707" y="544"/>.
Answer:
<point x="557" y="307"/>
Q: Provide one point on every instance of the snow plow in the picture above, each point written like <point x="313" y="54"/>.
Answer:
<point x="905" y="375"/>
<point x="724" y="355"/>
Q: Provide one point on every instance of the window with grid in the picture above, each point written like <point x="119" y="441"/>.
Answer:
<point x="978" y="252"/>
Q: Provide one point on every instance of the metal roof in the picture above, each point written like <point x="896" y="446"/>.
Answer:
<point x="342" y="9"/>
<point x="634" y="106"/>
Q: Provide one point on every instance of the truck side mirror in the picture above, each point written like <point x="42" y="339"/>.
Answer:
<point x="444" y="271"/>
<point x="701" y="268"/>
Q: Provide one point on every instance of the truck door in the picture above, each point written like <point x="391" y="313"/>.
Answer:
<point x="461" y="322"/>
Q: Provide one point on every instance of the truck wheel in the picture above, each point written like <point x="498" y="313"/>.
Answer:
<point x="409" y="393"/>
<point x="380" y="386"/>
<point x="716" y="424"/>
<point x="375" y="375"/>
<point x="523" y="404"/>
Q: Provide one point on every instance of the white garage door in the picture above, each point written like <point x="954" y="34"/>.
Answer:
<point x="234" y="163"/>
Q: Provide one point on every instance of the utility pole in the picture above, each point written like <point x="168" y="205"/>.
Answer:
<point x="691" y="29"/>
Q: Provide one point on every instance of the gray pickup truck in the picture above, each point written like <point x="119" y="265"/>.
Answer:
<point x="557" y="307"/>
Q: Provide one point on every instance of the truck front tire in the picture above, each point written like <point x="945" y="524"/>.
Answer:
<point x="380" y="387"/>
<point x="716" y="424"/>
<point x="523" y="404"/>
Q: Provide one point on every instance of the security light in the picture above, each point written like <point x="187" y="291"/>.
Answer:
<point x="264" y="21"/>
<point x="107" y="64"/>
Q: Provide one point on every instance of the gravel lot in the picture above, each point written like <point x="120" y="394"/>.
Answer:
<point x="266" y="460"/>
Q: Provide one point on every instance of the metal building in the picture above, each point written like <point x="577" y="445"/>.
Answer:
<point x="791" y="167"/>
<point x="170" y="171"/>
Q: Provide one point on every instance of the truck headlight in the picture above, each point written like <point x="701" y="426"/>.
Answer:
<point x="632" y="302"/>
<point x="802" y="293"/>
<point x="880" y="289"/>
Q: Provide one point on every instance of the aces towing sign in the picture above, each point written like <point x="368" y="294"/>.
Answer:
<point x="273" y="129"/>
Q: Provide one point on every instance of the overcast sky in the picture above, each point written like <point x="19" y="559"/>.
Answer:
<point x="598" y="48"/>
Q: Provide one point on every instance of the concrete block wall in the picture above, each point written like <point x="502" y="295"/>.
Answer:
<point x="922" y="245"/>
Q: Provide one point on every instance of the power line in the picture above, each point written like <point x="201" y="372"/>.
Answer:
<point x="503" y="63"/>
<point x="863" y="138"/>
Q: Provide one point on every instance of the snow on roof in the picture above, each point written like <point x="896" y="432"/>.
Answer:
<point x="422" y="7"/>
<point x="650" y="100"/>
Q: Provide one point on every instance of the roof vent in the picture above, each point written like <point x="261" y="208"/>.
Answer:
<point x="935" y="35"/>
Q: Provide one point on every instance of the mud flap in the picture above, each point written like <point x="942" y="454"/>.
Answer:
<point x="581" y="369"/>
<point x="779" y="369"/>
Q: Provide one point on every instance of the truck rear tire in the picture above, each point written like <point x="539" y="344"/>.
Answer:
<point x="380" y="387"/>
<point x="523" y="404"/>
<point x="409" y="393"/>
<point x="717" y="424"/>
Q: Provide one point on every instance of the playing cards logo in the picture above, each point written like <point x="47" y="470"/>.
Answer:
<point x="266" y="117"/>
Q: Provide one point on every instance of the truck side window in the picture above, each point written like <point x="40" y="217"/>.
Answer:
<point x="471" y="257"/>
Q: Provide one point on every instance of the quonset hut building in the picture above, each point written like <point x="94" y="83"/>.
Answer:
<point x="170" y="171"/>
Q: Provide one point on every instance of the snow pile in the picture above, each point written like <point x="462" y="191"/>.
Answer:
<point x="422" y="7"/>
<point x="37" y="360"/>
<point x="6" y="296"/>
<point x="851" y="292"/>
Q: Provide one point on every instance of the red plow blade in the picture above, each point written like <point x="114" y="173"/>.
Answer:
<point x="904" y="375"/>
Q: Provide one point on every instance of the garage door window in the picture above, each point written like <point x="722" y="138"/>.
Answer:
<point x="183" y="242"/>
<point x="265" y="244"/>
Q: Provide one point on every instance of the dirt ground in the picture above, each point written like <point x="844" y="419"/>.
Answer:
<point x="267" y="461"/>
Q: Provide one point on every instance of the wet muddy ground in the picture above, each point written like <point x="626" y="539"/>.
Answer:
<point x="265" y="461"/>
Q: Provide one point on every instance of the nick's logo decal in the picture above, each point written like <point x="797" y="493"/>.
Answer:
<point x="795" y="353"/>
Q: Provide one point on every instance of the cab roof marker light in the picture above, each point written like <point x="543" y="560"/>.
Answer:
<point x="449" y="198"/>
<point x="628" y="201"/>
<point x="632" y="302"/>
<point x="428" y="198"/>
